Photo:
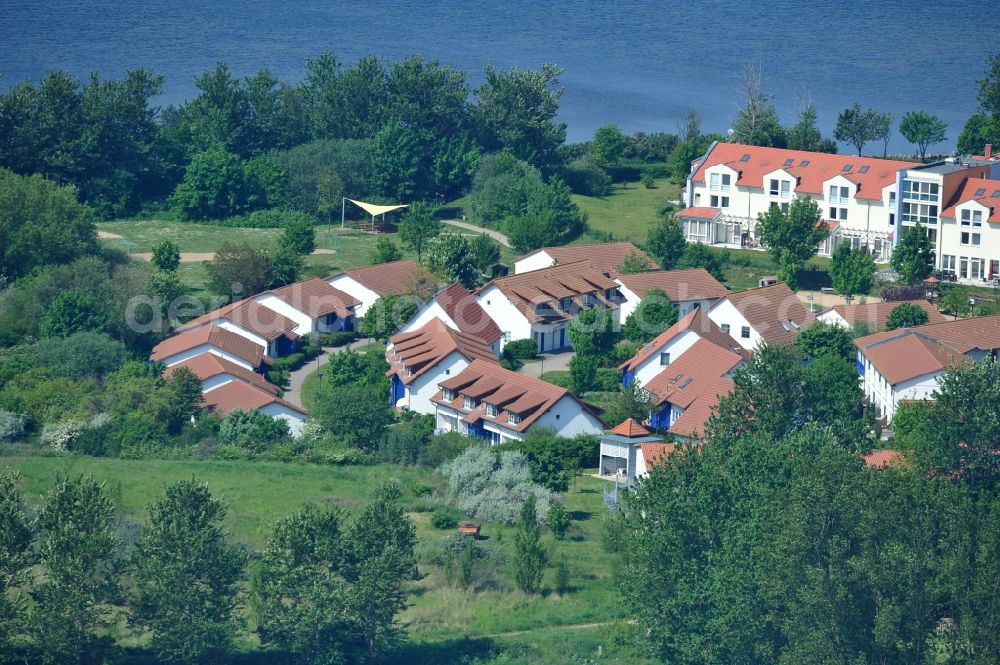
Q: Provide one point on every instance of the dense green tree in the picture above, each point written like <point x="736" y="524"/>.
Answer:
<point x="186" y="576"/>
<point x="15" y="558"/>
<point x="794" y="238"/>
<point x="350" y="367"/>
<point x="883" y="130"/>
<point x="633" y="263"/>
<point x="357" y="413"/>
<point x="633" y="402"/>
<point x="40" y="223"/>
<point x="300" y="586"/>
<point x="608" y="146"/>
<point x="666" y="242"/>
<point x="78" y="554"/>
<point x="857" y="127"/>
<point x="593" y="333"/>
<point x="804" y="135"/>
<point x="299" y="235"/>
<point x="166" y="256"/>
<point x="238" y="271"/>
<point x="956" y="300"/>
<point x="387" y="315"/>
<point x="700" y="255"/>
<point x="417" y="227"/>
<point x="384" y="251"/>
<point x="455" y="163"/>
<point x="321" y="172"/>
<point x="329" y="193"/>
<point x="851" y="271"/>
<point x="396" y="162"/>
<point x="905" y="315"/>
<point x="529" y="556"/>
<point x="346" y="103"/>
<point x="531" y="231"/>
<point x="516" y="110"/>
<point x="253" y="430"/>
<point x="450" y="255"/>
<point x="484" y="251"/>
<point x="653" y="315"/>
<point x="686" y="152"/>
<point x="501" y="187"/>
<point x="583" y="373"/>
<point x="988" y="92"/>
<point x="84" y="354"/>
<point x="184" y="396"/>
<point x="286" y="267"/>
<point x="922" y="129"/>
<point x="980" y="129"/>
<point x="823" y="338"/>
<point x="216" y="184"/>
<point x="757" y="122"/>
<point x="913" y="257"/>
<point x="72" y="312"/>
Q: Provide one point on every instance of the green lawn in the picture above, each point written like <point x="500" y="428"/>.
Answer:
<point x="444" y="622"/>
<point x="142" y="235"/>
<point x="630" y="211"/>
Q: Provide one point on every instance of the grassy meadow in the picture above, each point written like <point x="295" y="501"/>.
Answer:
<point x="445" y="622"/>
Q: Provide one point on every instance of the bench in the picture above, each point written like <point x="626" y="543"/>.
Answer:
<point x="470" y="528"/>
<point x="827" y="291"/>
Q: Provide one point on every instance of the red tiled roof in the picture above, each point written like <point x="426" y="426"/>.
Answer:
<point x="880" y="459"/>
<point x="239" y="395"/>
<point x="606" y="256"/>
<point x="908" y="353"/>
<point x="691" y="423"/>
<point x="220" y="338"/>
<point x="510" y="392"/>
<point x="698" y="369"/>
<point x="700" y="212"/>
<point x="413" y="354"/>
<point x="769" y="309"/>
<point x="463" y="308"/>
<point x="654" y="453"/>
<point x="315" y="297"/>
<point x="206" y="365"/>
<point x="549" y="285"/>
<point x="877" y="313"/>
<point x="696" y="321"/>
<point x="631" y="429"/>
<point x="679" y="285"/>
<point x="990" y="198"/>
<point x="387" y="279"/>
<point x="820" y="168"/>
<point x="251" y="316"/>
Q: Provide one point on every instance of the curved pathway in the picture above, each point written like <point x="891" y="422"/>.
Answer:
<point x="496" y="235"/>
<point x="293" y="393"/>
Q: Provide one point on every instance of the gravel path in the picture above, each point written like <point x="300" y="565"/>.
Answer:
<point x="496" y="235"/>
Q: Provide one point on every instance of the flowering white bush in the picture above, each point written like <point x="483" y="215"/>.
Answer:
<point x="12" y="426"/>
<point x="494" y="487"/>
<point x="60" y="436"/>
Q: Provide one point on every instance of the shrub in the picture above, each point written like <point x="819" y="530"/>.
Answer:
<point x="647" y="181"/>
<point x="521" y="349"/>
<point x="558" y="521"/>
<point x="336" y="339"/>
<point x="421" y="489"/>
<point x="493" y="487"/>
<point x="443" y="448"/>
<point x="12" y="426"/>
<point x="252" y="430"/>
<point x="587" y="179"/>
<point x="608" y="379"/>
<point x="403" y="443"/>
<point x="898" y="292"/>
<point x="445" y="518"/>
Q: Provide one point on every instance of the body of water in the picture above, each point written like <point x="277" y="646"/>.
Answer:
<point x="641" y="65"/>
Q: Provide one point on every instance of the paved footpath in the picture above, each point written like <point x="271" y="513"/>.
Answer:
<point x="496" y="235"/>
<point x="293" y="393"/>
<point x="550" y="362"/>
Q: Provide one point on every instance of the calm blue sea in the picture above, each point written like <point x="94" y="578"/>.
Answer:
<point x="641" y="65"/>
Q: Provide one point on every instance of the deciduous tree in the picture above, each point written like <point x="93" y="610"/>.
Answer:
<point x="418" y="226"/>
<point x="913" y="257"/>
<point x="187" y="576"/>
<point x="166" y="256"/>
<point x="851" y="271"/>
<point x="450" y="255"/>
<point x="653" y="315"/>
<point x="15" y="558"/>
<point x="529" y="555"/>
<point x="384" y="251"/>
<point x="823" y="338"/>
<point x="666" y="242"/>
<point x="757" y="122"/>
<point x="299" y="235"/>
<point x="857" y="127"/>
<point x="593" y="333"/>
<point x="905" y="315"/>
<point x="700" y="255"/>
<point x="922" y="129"/>
<point x="794" y="238"/>
<point x="238" y="271"/>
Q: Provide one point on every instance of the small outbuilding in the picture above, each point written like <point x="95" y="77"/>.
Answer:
<point x="619" y="447"/>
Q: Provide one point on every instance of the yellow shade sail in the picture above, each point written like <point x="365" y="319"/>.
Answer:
<point x="375" y="210"/>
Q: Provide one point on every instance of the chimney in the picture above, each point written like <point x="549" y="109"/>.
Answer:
<point x="988" y="150"/>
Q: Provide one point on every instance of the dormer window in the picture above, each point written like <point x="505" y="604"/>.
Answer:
<point x="470" y="403"/>
<point x="588" y="299"/>
<point x="611" y="294"/>
<point x="513" y="419"/>
<point x="565" y="304"/>
<point x="973" y="217"/>
<point x="491" y="410"/>
<point x="448" y="395"/>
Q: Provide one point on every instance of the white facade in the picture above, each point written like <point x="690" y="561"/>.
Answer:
<point x="727" y="317"/>
<point x="296" y="420"/>
<point x="352" y="287"/>
<point x="631" y="300"/>
<point x="303" y="324"/>
<point x="968" y="245"/>
<point x="203" y="348"/>
<point x="886" y="397"/>
<point x="661" y="358"/>
<point x="420" y="391"/>
<point x="833" y="317"/>
<point x="535" y="261"/>
<point x="508" y="317"/>
<point x="618" y="456"/>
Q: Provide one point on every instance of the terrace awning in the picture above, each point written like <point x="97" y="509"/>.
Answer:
<point x="374" y="209"/>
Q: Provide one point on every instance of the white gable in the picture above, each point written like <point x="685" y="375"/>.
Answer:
<point x="353" y="287"/>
